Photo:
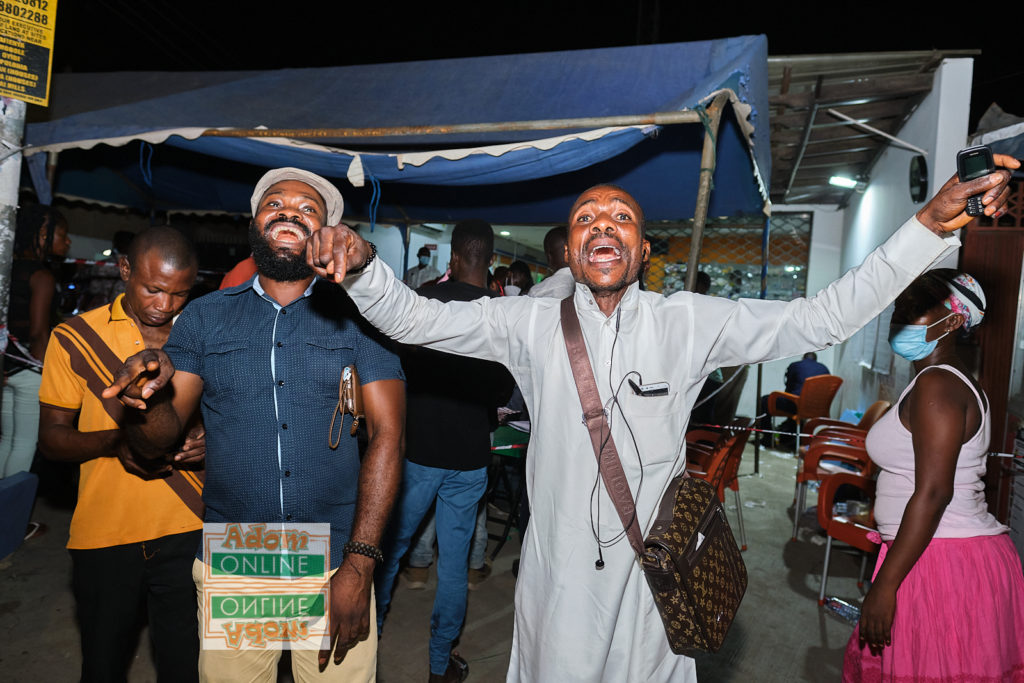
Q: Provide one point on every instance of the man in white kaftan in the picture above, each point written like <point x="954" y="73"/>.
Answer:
<point x="572" y="621"/>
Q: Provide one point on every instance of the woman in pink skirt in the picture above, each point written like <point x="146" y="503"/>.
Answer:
<point x="947" y="599"/>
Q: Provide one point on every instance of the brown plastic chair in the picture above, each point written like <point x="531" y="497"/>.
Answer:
<point x="867" y="420"/>
<point x="823" y="430"/>
<point x="824" y="459"/>
<point x="844" y="528"/>
<point x="714" y="455"/>
<point x="814" y="400"/>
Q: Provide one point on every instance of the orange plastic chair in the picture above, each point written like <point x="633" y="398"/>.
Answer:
<point x="815" y="400"/>
<point x="867" y="420"/>
<point x="843" y="528"/>
<point x="824" y="428"/>
<point x="823" y="459"/>
<point x="714" y="455"/>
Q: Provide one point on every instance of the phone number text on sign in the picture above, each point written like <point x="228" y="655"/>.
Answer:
<point x="23" y="12"/>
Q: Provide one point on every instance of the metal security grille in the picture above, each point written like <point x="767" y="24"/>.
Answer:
<point x="731" y="256"/>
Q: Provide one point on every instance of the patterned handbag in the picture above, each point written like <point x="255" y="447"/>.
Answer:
<point x="690" y="558"/>
<point x="693" y="566"/>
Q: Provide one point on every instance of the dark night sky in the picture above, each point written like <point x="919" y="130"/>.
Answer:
<point x="126" y="35"/>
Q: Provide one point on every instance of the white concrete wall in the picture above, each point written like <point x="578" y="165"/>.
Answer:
<point x="388" y="240"/>
<point x="438" y="257"/>
<point x="822" y="268"/>
<point x="939" y="125"/>
<point x="841" y="239"/>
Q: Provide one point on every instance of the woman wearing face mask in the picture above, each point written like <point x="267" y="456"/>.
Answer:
<point x="519" y="280"/>
<point x="947" y="600"/>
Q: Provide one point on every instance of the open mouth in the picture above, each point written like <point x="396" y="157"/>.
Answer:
<point x="287" y="232"/>
<point x="604" y="253"/>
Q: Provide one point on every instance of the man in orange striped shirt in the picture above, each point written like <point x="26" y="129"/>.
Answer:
<point x="137" y="524"/>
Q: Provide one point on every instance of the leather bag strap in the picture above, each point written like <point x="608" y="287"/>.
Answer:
<point x="594" y="418"/>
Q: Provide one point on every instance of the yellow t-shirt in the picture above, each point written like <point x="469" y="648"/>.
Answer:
<point x="114" y="507"/>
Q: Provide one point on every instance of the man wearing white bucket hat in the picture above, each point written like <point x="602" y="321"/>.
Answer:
<point x="263" y="360"/>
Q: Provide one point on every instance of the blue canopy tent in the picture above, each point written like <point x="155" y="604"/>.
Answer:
<point x="512" y="139"/>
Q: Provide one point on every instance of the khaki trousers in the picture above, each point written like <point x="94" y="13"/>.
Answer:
<point x="260" y="666"/>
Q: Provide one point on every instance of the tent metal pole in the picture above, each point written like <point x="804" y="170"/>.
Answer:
<point x="12" y="131"/>
<point x="657" y="118"/>
<point x="763" y="294"/>
<point x="707" y="170"/>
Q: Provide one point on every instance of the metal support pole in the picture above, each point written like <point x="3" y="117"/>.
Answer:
<point x="12" y="128"/>
<point x="765" y="235"/>
<point x="51" y="169"/>
<point x="707" y="170"/>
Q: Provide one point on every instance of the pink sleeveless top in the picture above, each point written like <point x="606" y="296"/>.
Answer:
<point x="890" y="446"/>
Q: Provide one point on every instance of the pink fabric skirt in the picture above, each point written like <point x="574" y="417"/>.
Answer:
<point x="959" y="617"/>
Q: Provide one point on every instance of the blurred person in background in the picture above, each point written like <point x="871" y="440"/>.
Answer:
<point x="560" y="283"/>
<point x="519" y="279"/>
<point x="422" y="272"/>
<point x="40" y="240"/>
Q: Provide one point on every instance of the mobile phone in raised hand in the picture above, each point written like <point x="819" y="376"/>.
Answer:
<point x="971" y="163"/>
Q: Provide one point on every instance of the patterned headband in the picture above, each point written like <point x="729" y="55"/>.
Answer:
<point x="966" y="298"/>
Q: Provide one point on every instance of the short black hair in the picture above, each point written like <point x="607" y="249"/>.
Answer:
<point x="423" y="249"/>
<point x="810" y="355"/>
<point x="122" y="241"/>
<point x="703" y="281"/>
<point x="473" y="240"/>
<point x="520" y="275"/>
<point x="556" y="238"/>
<point x="174" y="248"/>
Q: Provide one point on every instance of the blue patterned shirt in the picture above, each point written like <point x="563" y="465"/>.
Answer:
<point x="270" y="384"/>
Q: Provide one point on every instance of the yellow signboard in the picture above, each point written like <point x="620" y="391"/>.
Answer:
<point x="26" y="48"/>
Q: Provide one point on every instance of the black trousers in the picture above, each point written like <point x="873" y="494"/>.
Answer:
<point x="114" y="585"/>
<point x="788" y="425"/>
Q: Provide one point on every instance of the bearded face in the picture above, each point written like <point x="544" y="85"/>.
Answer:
<point x="289" y="212"/>
<point x="277" y="263"/>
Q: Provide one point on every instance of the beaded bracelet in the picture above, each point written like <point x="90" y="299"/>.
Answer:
<point x="368" y="261"/>
<point x="365" y="549"/>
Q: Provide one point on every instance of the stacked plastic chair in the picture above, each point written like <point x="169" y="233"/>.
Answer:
<point x="714" y="455"/>
<point x="833" y="446"/>
<point x="844" y="527"/>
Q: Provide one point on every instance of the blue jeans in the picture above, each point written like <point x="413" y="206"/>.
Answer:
<point x="457" y="494"/>
<point x="19" y="419"/>
<point x="422" y="553"/>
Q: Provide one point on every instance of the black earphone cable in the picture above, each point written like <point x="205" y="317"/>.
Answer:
<point x="613" y="403"/>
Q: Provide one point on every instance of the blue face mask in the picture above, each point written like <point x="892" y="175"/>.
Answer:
<point x="909" y="340"/>
<point x="424" y="260"/>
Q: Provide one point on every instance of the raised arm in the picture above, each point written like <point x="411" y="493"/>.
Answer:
<point x="379" y="477"/>
<point x="481" y="329"/>
<point x="947" y="210"/>
<point x="751" y="331"/>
